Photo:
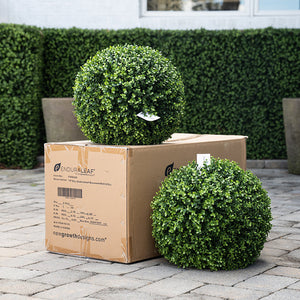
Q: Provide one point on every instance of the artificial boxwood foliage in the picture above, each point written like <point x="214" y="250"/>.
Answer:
<point x="118" y="84"/>
<point x="21" y="120"/>
<point x="234" y="79"/>
<point x="215" y="219"/>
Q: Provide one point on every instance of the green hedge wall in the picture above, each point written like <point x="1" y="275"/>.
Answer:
<point x="21" y="125"/>
<point x="234" y="80"/>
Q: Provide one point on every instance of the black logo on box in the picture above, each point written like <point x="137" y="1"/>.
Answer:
<point x="57" y="167"/>
<point x="169" y="169"/>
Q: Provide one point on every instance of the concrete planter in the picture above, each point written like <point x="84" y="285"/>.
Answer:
<point x="60" y="122"/>
<point x="291" y="116"/>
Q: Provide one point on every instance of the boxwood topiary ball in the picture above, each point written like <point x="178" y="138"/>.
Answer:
<point x="216" y="219"/>
<point x="120" y="84"/>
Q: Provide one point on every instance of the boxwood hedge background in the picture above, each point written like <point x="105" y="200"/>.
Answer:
<point x="21" y="119"/>
<point x="234" y="79"/>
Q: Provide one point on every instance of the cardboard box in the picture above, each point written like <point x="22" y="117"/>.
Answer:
<point x="98" y="197"/>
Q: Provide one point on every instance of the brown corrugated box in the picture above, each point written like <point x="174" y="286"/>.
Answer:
<point x="98" y="196"/>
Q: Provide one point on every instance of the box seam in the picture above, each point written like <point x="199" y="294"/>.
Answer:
<point x="127" y="229"/>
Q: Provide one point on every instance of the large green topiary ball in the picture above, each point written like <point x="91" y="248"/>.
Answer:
<point x="122" y="83"/>
<point x="216" y="219"/>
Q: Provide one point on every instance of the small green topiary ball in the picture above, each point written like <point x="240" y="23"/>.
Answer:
<point x="216" y="219"/>
<point x="118" y="84"/>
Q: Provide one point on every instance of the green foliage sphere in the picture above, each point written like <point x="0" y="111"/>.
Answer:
<point x="120" y="82"/>
<point x="215" y="219"/>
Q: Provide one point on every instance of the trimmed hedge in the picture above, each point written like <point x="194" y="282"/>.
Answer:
<point x="21" y="120"/>
<point x="234" y="80"/>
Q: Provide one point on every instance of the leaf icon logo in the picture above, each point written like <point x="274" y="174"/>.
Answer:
<point x="169" y="169"/>
<point x="57" y="167"/>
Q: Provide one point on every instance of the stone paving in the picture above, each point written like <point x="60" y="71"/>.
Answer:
<point x="28" y="271"/>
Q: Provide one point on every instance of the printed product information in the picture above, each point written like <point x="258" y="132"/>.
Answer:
<point x="66" y="214"/>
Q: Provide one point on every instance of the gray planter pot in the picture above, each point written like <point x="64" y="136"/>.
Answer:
<point x="60" y="122"/>
<point x="291" y="116"/>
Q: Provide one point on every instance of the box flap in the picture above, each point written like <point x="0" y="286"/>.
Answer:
<point x="198" y="138"/>
<point x="177" y="138"/>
